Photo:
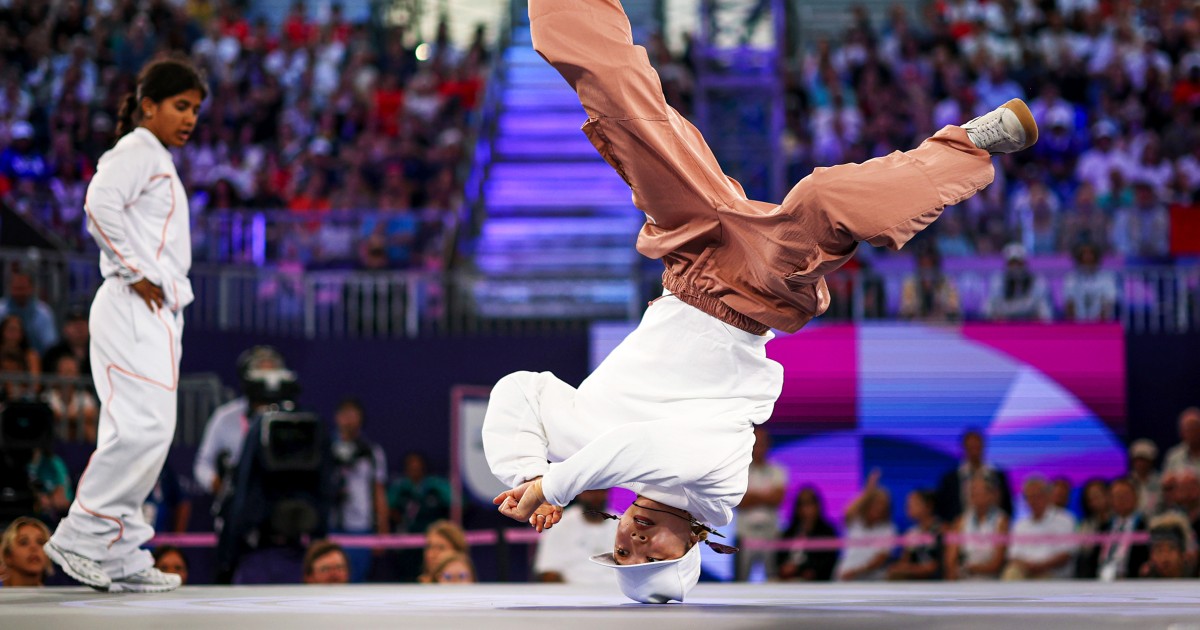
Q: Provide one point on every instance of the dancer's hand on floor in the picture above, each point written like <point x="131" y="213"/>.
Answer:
<point x="527" y="503"/>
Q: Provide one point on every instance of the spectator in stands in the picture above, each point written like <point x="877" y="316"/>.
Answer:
<point x="954" y="488"/>
<point x="362" y="475"/>
<point x="1017" y="294"/>
<point x="75" y="407"/>
<point x="1037" y="215"/>
<point x="868" y="517"/>
<point x="1086" y="224"/>
<point x="1037" y="560"/>
<point x="928" y="294"/>
<point x="1096" y="164"/>
<point x="1143" y="476"/>
<point x="168" y="507"/>
<point x="74" y="342"/>
<point x="1168" y="543"/>
<point x="21" y="551"/>
<point x="14" y="343"/>
<point x="21" y="160"/>
<point x="418" y="499"/>
<point x="808" y="521"/>
<point x="582" y="533"/>
<point x="1182" y="490"/>
<point x="758" y="513"/>
<point x="1186" y="454"/>
<point x="973" y="558"/>
<point x="1060" y="493"/>
<point x="170" y="559"/>
<point x="456" y="569"/>
<point x="1090" y="293"/>
<point x="13" y="371"/>
<point x="325" y="563"/>
<point x="1143" y="230"/>
<point x="920" y="560"/>
<point x="443" y="541"/>
<point x="52" y="483"/>
<point x="1097" y="517"/>
<point x="1120" y="559"/>
<point x="36" y="317"/>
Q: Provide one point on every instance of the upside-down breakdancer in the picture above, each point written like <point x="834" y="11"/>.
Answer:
<point x="670" y="413"/>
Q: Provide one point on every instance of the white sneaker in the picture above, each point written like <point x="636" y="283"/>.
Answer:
<point x="149" y="580"/>
<point x="1006" y="129"/>
<point x="84" y="570"/>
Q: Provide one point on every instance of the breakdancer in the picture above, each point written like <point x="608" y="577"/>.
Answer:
<point x="670" y="414"/>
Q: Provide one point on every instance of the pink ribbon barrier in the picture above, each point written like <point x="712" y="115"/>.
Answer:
<point x="833" y="544"/>
<point x="371" y="541"/>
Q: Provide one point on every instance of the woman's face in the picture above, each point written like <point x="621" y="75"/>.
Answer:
<point x="457" y="572"/>
<point x="915" y="507"/>
<point x="877" y="511"/>
<point x="26" y="555"/>
<point x="173" y="119"/>
<point x="1097" y="499"/>
<point x="437" y="549"/>
<point x="808" y="507"/>
<point x="649" y="536"/>
<point x="980" y="496"/>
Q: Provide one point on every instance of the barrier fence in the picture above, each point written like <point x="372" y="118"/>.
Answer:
<point x="529" y="537"/>
<point x="331" y="304"/>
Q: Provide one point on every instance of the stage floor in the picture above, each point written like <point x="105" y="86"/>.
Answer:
<point x="1028" y="606"/>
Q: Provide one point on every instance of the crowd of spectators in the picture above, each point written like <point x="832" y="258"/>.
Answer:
<point x="973" y="501"/>
<point x="314" y="117"/>
<point x="1114" y="84"/>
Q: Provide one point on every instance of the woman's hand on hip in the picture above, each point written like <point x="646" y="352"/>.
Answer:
<point x="151" y="294"/>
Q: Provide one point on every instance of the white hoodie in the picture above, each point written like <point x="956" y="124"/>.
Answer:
<point x="137" y="211"/>
<point x="670" y="414"/>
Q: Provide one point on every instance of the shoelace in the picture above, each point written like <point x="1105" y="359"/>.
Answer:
<point x="991" y="132"/>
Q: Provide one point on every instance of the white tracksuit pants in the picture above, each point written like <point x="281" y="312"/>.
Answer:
<point x="135" y="364"/>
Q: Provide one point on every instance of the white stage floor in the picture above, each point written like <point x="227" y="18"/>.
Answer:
<point x="1027" y="606"/>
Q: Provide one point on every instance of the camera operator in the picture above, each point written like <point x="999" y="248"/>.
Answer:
<point x="280" y="494"/>
<point x="361" y="476"/>
<point x="225" y="432"/>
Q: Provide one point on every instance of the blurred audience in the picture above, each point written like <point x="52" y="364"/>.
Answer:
<point x="582" y="533"/>
<point x="455" y="569"/>
<point x="1096" y="501"/>
<point x="758" y="513"/>
<point x="76" y="409"/>
<point x="1060" y="493"/>
<point x="325" y="563"/>
<point x="1121" y="559"/>
<point x="928" y="294"/>
<point x="73" y="342"/>
<point x="808" y="521"/>
<point x="1017" y="294"/>
<point x="1089" y="293"/>
<point x="1186" y="454"/>
<point x="37" y="320"/>
<point x="362" y="478"/>
<point x="1168" y="544"/>
<point x="978" y="559"/>
<point x="24" y="560"/>
<point x="1039" y="559"/>
<point x="954" y="488"/>
<point x="920" y="560"/>
<point x="443" y="541"/>
<point x="868" y="518"/>
<point x="15" y="343"/>
<point x="1145" y="479"/>
<point x="170" y="559"/>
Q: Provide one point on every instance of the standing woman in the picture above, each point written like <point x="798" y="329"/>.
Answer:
<point x="137" y="211"/>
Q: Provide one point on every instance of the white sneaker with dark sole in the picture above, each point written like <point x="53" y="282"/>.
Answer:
<point x="85" y="570"/>
<point x="149" y="580"/>
<point x="1006" y="129"/>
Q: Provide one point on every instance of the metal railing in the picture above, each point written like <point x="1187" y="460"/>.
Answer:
<point x="330" y="304"/>
<point x="198" y="396"/>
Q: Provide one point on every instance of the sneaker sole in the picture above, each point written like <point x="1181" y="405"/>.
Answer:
<point x="58" y="558"/>
<point x="118" y="587"/>
<point x="1018" y="107"/>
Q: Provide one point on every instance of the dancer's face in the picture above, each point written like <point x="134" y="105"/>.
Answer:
<point x="172" y="119"/>
<point x="648" y="536"/>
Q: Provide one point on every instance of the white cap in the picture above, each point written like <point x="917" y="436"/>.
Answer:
<point x="1143" y="448"/>
<point x="1014" y="251"/>
<point x="656" y="582"/>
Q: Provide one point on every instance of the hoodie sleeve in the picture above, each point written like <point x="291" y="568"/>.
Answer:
<point x="117" y="184"/>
